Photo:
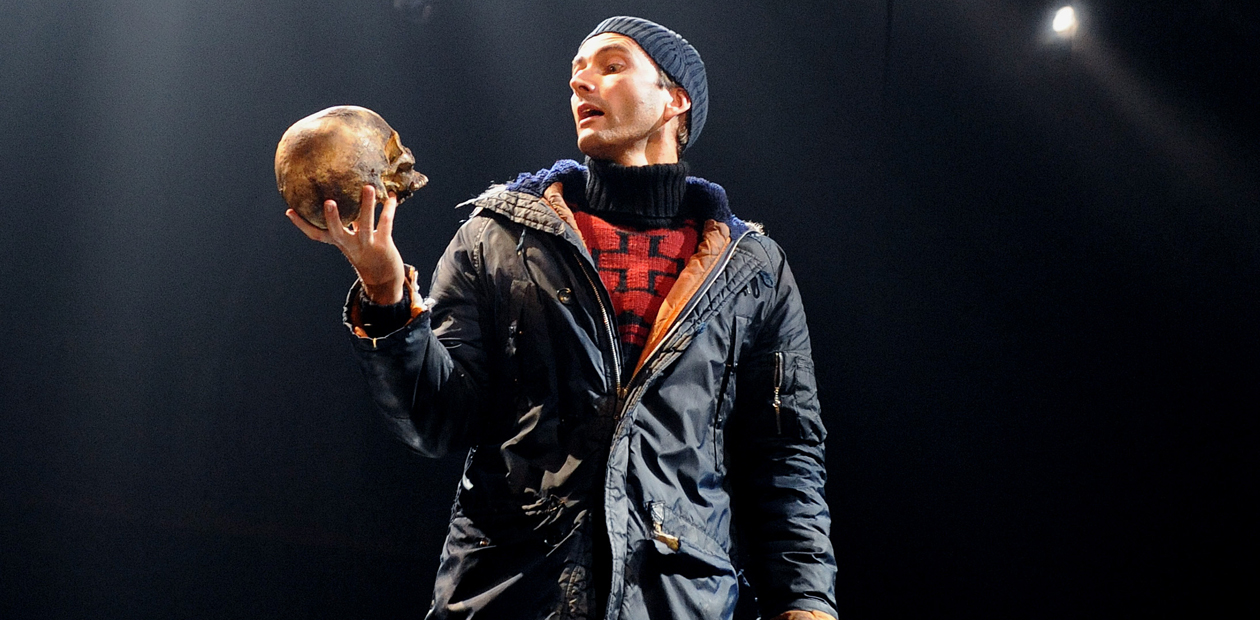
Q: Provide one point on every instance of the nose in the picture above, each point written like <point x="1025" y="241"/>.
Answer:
<point x="580" y="83"/>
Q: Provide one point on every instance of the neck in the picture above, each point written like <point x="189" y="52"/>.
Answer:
<point x="652" y="153"/>
<point x="659" y="147"/>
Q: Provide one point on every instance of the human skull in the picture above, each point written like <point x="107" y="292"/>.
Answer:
<point x="333" y="153"/>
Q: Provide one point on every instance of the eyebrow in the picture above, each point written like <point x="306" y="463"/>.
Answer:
<point x="610" y="47"/>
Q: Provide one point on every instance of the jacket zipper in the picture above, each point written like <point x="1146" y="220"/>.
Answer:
<point x="624" y="391"/>
<point x="670" y="541"/>
<point x="778" y="383"/>
<point x="726" y="373"/>
<point x="730" y="253"/>
<point x="612" y="336"/>
<point x="631" y="396"/>
<point x="721" y="399"/>
<point x="600" y="293"/>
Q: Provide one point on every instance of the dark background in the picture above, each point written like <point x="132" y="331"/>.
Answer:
<point x="1030" y="268"/>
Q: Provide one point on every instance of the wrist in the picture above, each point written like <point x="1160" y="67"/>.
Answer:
<point x="386" y="294"/>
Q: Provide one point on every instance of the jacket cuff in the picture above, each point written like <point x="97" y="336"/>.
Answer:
<point x="377" y="320"/>
<point x="370" y="321"/>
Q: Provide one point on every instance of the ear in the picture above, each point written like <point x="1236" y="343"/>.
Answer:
<point x="679" y="102"/>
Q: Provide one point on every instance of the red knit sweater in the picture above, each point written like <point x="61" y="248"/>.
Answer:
<point x="638" y="267"/>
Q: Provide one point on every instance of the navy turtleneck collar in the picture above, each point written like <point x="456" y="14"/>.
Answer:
<point x="642" y="195"/>
<point x="701" y="199"/>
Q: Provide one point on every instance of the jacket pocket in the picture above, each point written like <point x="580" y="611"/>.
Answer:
<point x="778" y="393"/>
<point x="673" y="535"/>
<point x="725" y="395"/>
<point x="682" y="572"/>
<point x="782" y="398"/>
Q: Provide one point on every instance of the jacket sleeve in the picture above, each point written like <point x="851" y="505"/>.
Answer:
<point x="777" y="463"/>
<point x="426" y="377"/>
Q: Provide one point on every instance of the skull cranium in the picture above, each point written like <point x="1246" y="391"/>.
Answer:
<point x="333" y="153"/>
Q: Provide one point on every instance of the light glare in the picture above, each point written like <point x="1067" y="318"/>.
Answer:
<point x="1064" y="21"/>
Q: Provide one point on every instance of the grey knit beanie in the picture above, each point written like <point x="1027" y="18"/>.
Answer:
<point x="673" y="54"/>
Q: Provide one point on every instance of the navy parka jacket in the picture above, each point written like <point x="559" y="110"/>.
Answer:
<point x="593" y="490"/>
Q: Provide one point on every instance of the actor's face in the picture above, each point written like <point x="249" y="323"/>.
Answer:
<point x="621" y="110"/>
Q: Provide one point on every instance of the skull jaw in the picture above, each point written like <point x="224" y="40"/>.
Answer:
<point x="404" y="184"/>
<point x="345" y="188"/>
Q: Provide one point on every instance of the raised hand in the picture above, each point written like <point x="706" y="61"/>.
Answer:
<point x="367" y="245"/>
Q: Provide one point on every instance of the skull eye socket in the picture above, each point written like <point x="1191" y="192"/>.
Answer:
<point x="393" y="147"/>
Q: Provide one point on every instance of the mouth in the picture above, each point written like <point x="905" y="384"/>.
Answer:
<point x="587" y="111"/>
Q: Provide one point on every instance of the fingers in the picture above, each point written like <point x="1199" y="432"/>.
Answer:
<point x="361" y="232"/>
<point x="367" y="211"/>
<point x="306" y="227"/>
<point x="336" y="234"/>
<point x="385" y="226"/>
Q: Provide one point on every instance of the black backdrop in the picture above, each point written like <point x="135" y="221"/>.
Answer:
<point x="1030" y="269"/>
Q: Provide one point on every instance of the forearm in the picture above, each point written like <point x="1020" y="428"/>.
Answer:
<point x="785" y="526"/>
<point x="427" y="396"/>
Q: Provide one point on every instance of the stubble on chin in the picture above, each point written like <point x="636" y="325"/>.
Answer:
<point x="595" y="148"/>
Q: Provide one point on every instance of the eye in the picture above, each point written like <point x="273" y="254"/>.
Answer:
<point x="613" y="68"/>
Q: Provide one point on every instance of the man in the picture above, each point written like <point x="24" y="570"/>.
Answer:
<point x="626" y="362"/>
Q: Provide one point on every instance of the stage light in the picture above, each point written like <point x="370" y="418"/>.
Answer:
<point x="1065" y="22"/>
